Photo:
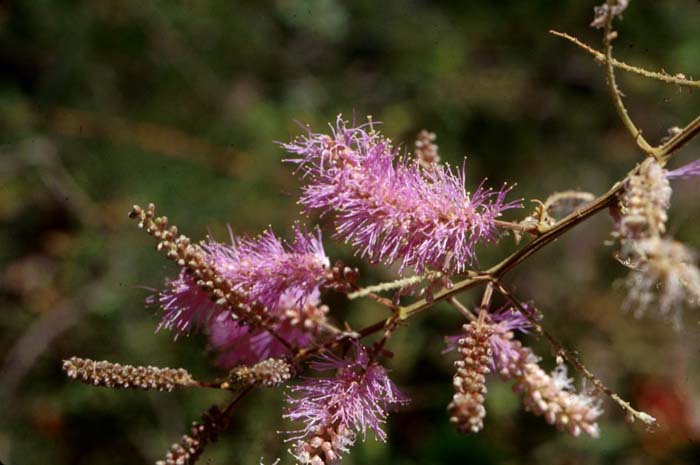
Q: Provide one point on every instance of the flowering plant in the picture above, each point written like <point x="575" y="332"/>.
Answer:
<point x="260" y="299"/>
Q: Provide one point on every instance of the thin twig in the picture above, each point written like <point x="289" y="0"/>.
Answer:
<point x="397" y="284"/>
<point x="608" y="36"/>
<point x="559" y="349"/>
<point x="677" y="79"/>
<point x="228" y="411"/>
<point x="461" y="308"/>
<point x="680" y="139"/>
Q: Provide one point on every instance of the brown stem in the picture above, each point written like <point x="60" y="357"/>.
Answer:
<point x="228" y="411"/>
<point x="531" y="229"/>
<point x="680" y="139"/>
<point x="677" y="79"/>
<point x="461" y="308"/>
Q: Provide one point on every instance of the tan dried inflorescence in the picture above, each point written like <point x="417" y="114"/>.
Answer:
<point x="325" y="447"/>
<point x="664" y="274"/>
<point x="645" y="202"/>
<point x="191" y="445"/>
<point x="426" y="150"/>
<point x="467" y="409"/>
<point x="118" y="376"/>
<point x="270" y="373"/>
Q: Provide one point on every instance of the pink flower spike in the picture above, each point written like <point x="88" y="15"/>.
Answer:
<point x="356" y="398"/>
<point x="271" y="272"/>
<point x="185" y="306"/>
<point x="389" y="208"/>
<point x="266" y="273"/>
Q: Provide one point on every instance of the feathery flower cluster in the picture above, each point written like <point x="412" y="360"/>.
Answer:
<point x="665" y="276"/>
<point x="663" y="271"/>
<point x="467" y="409"/>
<point x="281" y="279"/>
<point x="117" y="376"/>
<point x="268" y="272"/>
<point x="238" y="343"/>
<point x="389" y="208"/>
<point x="337" y="408"/>
<point x="271" y="273"/>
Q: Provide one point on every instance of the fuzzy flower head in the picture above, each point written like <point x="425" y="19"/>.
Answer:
<point x="185" y="305"/>
<point x="389" y="208"/>
<point x="267" y="271"/>
<point x="665" y="276"/>
<point x="236" y="343"/>
<point x="271" y="272"/>
<point x="506" y="322"/>
<point x="355" y="398"/>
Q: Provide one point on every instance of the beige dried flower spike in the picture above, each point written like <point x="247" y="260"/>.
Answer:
<point x="116" y="376"/>
<point x="467" y="409"/>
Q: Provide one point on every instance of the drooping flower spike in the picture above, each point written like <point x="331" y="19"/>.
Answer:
<point x="272" y="273"/>
<point x="664" y="272"/>
<point x="550" y="395"/>
<point x="388" y="207"/>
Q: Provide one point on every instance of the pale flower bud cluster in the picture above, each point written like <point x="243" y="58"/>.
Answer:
<point x="426" y="150"/>
<point x="325" y="447"/>
<point x="467" y="409"/>
<point x="645" y="202"/>
<point x="269" y="373"/>
<point x="117" y="376"/>
<point x="191" y="445"/>
<point x="552" y="396"/>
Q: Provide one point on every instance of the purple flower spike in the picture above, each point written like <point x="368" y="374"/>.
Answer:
<point x="270" y="271"/>
<point x="390" y="209"/>
<point x="282" y="278"/>
<point x="238" y="344"/>
<point x="356" y="398"/>
<point x="506" y="321"/>
<point x="185" y="306"/>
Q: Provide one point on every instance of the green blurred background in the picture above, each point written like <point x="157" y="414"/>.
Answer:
<point x="106" y="103"/>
